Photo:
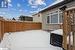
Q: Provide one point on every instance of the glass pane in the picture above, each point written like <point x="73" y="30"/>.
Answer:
<point x="47" y="19"/>
<point x="60" y="18"/>
<point x="54" y="18"/>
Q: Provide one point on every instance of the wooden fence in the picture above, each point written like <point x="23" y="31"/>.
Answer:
<point x="14" y="26"/>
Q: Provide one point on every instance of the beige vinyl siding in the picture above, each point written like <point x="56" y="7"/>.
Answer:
<point x="45" y="25"/>
<point x="37" y="18"/>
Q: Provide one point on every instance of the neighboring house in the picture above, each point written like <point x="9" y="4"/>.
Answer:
<point x="13" y="19"/>
<point x="25" y="18"/>
<point x="1" y="18"/>
<point x="52" y="16"/>
<point x="37" y="17"/>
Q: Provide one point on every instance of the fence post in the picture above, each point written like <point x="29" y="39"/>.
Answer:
<point x="1" y="29"/>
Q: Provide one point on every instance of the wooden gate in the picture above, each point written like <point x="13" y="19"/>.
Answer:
<point x="69" y="29"/>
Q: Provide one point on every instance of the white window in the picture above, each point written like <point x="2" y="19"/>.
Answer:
<point x="54" y="18"/>
<point x="60" y="17"/>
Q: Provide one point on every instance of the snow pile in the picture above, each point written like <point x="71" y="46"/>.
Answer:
<point x="5" y="41"/>
<point x="59" y="32"/>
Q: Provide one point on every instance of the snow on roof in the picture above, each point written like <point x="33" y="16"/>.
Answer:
<point x="56" y="2"/>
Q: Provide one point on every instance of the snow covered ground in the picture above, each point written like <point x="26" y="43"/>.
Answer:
<point x="28" y="40"/>
<point x="4" y="49"/>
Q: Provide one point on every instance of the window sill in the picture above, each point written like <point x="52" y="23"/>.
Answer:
<point x="55" y="23"/>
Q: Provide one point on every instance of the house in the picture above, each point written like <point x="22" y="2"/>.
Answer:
<point x="25" y="18"/>
<point x="52" y="16"/>
<point x="1" y="18"/>
<point x="37" y="17"/>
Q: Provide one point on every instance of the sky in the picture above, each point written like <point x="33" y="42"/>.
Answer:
<point x="24" y="7"/>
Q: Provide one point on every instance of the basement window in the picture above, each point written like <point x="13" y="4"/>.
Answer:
<point x="56" y="40"/>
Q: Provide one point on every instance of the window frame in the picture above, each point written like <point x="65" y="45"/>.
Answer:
<point x="62" y="17"/>
<point x="52" y="13"/>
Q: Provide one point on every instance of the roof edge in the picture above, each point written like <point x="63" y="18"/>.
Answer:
<point x="56" y="5"/>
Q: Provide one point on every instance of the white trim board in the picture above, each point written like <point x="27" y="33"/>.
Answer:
<point x="70" y="8"/>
